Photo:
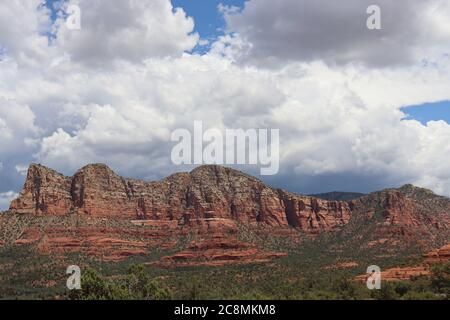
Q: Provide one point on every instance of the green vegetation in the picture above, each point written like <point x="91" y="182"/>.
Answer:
<point x="440" y="279"/>
<point x="27" y="276"/>
<point x="304" y="274"/>
<point x="137" y="285"/>
<point x="236" y="283"/>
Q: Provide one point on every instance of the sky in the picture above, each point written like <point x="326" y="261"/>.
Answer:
<point x="357" y="109"/>
<point x="429" y="112"/>
<point x="209" y="20"/>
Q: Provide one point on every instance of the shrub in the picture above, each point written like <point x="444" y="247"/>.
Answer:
<point x="440" y="278"/>
<point x="137" y="285"/>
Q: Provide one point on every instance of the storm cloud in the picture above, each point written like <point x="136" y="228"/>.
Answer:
<point x="336" y="31"/>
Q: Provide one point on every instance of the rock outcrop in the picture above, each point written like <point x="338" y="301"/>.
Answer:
<point x="206" y="192"/>
<point x="434" y="257"/>
<point x="98" y="213"/>
<point x="218" y="192"/>
<point x="218" y="252"/>
<point x="45" y="192"/>
<point x="437" y="256"/>
<point x="399" y="274"/>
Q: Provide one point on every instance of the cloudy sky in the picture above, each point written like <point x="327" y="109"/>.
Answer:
<point x="357" y="109"/>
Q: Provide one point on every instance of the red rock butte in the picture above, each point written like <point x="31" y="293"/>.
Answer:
<point x="206" y="192"/>
<point x="100" y="213"/>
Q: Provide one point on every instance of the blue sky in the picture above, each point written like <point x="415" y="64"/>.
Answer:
<point x="208" y="20"/>
<point x="53" y="4"/>
<point x="429" y="111"/>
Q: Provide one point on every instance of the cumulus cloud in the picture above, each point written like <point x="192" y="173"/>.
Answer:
<point x="328" y="127"/>
<point x="19" y="136"/>
<point x="16" y="125"/>
<point x="340" y="125"/>
<point x="6" y="198"/>
<point x="23" y="25"/>
<point x="132" y="30"/>
<point x="336" y="31"/>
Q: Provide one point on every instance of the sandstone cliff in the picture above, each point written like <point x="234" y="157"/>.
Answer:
<point x="206" y="192"/>
<point x="210" y="192"/>
<point x="220" y="212"/>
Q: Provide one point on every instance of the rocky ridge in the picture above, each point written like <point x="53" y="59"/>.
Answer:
<point x="206" y="192"/>
<point x="98" y="213"/>
<point x="218" y="192"/>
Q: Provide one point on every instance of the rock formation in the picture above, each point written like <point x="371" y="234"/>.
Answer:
<point x="213" y="192"/>
<point x="98" y="213"/>
<point x="440" y="255"/>
<point x="436" y="256"/>
<point x="218" y="252"/>
<point x="206" y="192"/>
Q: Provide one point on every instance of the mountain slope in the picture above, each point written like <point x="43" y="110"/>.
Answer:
<point x="100" y="213"/>
<point x="217" y="224"/>
<point x="218" y="192"/>
<point x="206" y="192"/>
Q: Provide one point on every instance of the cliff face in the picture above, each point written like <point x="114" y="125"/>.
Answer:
<point x="219" y="192"/>
<point x="45" y="192"/>
<point x="98" y="213"/>
<point x="206" y="192"/>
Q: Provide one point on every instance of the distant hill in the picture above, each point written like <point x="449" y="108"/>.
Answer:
<point x="338" y="196"/>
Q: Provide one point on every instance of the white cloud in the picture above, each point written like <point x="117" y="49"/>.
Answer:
<point x="330" y="119"/>
<point x="336" y="31"/>
<point x="6" y="198"/>
<point x="16" y="126"/>
<point x="21" y="169"/>
<point x="22" y="28"/>
<point x="132" y="30"/>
